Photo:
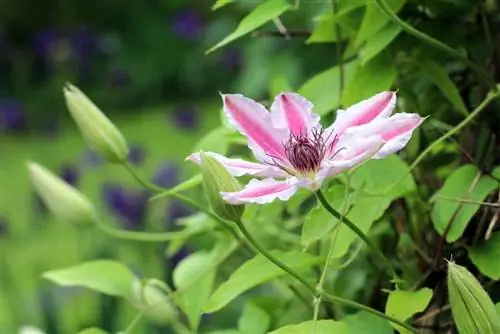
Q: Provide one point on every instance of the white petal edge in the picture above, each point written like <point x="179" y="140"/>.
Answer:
<point x="262" y="192"/>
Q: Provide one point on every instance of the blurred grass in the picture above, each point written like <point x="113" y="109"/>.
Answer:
<point x="35" y="244"/>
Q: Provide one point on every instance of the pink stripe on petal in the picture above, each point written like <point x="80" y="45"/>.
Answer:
<point x="293" y="112"/>
<point x="400" y="124"/>
<point x="261" y="191"/>
<point x="253" y="121"/>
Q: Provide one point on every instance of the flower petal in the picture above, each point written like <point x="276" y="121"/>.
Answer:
<point x="262" y="191"/>
<point x="395" y="130"/>
<point x="254" y="121"/>
<point x="353" y="151"/>
<point x="239" y="167"/>
<point x="294" y="112"/>
<point x="375" y="107"/>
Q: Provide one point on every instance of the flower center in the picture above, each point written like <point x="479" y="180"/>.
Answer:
<point x="304" y="153"/>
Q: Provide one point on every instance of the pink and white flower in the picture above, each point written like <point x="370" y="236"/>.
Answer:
<point x="294" y="150"/>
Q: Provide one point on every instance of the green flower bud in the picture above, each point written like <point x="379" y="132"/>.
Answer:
<point x="152" y="302"/>
<point x="472" y="308"/>
<point x="64" y="201"/>
<point x="100" y="134"/>
<point x="216" y="179"/>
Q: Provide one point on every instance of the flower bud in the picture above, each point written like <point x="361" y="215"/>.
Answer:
<point x="64" y="201"/>
<point x="472" y="308"/>
<point x="216" y="179"/>
<point x="101" y="135"/>
<point x="152" y="302"/>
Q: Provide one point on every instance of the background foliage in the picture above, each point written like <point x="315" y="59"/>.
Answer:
<point x="145" y="65"/>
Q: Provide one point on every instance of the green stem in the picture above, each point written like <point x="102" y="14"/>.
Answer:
<point x="362" y="307"/>
<point x="154" y="188"/>
<point x="134" y="323"/>
<point x="273" y="259"/>
<point x="481" y="73"/>
<point x="322" y="199"/>
<point x="310" y="288"/>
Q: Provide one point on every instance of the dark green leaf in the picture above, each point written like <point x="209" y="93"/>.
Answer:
<point x="254" y="320"/>
<point x="378" y="42"/>
<point x="485" y="256"/>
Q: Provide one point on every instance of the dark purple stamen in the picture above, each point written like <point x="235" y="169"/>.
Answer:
<point x="305" y="153"/>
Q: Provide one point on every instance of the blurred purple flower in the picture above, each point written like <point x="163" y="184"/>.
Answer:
<point x="167" y="175"/>
<point x="186" y="118"/>
<point x="136" y="155"/>
<point x="91" y="159"/>
<point x="119" y="78"/>
<point x="12" y="118"/>
<point x="70" y="174"/>
<point x="46" y="42"/>
<point x="231" y="59"/>
<point x="84" y="44"/>
<point x="188" y="24"/>
<point x="127" y="204"/>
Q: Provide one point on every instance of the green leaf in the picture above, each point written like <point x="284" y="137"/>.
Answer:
<point x="375" y="19"/>
<point x="92" y="330"/>
<point x="325" y="32"/>
<point x="254" y="320"/>
<point x="195" y="277"/>
<point x="460" y="184"/>
<point x="373" y="77"/>
<point x="367" y="323"/>
<point x="253" y="273"/>
<point x="263" y="13"/>
<point x="279" y="83"/>
<point x="485" y="256"/>
<point x="323" y="89"/>
<point x="221" y="3"/>
<point x="403" y="304"/>
<point x="105" y="276"/>
<point x="316" y="327"/>
<point x="378" y="42"/>
<point x="214" y="141"/>
<point x="438" y="75"/>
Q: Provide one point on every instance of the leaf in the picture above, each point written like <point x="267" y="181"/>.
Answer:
<point x="457" y="185"/>
<point x="92" y="330"/>
<point x="105" y="276"/>
<point x="214" y="141"/>
<point x="254" y="320"/>
<point x="321" y="327"/>
<point x="378" y="42"/>
<point x="367" y="323"/>
<point x="263" y="13"/>
<point x="437" y="74"/>
<point x="375" y="19"/>
<point x="325" y="32"/>
<point x="279" y="83"/>
<point x="485" y="256"/>
<point x="373" y="77"/>
<point x="323" y="89"/>
<point x="253" y="273"/>
<point x="186" y="185"/>
<point x="196" y="290"/>
<point x="403" y="304"/>
<point x="221" y="3"/>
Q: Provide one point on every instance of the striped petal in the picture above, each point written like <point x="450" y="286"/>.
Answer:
<point x="254" y="122"/>
<point x="240" y="167"/>
<point x="396" y="131"/>
<point x="262" y="191"/>
<point x="293" y="112"/>
<point x="377" y="106"/>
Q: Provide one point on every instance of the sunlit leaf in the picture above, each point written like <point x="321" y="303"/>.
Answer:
<point x="323" y="89"/>
<point x="403" y="304"/>
<point x="378" y="42"/>
<point x="253" y="273"/>
<point x="105" y="276"/>
<point x="320" y="327"/>
<point x="373" y="77"/>
<point x="263" y="13"/>
<point x="438" y="75"/>
<point x="254" y="320"/>
<point x="221" y="3"/>
<point x="215" y="141"/>
<point x="375" y="19"/>
<point x="485" y="256"/>
<point x="93" y="330"/>
<point x="460" y="184"/>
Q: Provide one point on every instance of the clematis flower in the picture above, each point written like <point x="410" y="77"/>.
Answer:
<point x="295" y="151"/>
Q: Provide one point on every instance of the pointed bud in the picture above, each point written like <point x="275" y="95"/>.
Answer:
<point x="152" y="302"/>
<point x="64" y="201"/>
<point x="472" y="308"/>
<point x="216" y="179"/>
<point x="101" y="135"/>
